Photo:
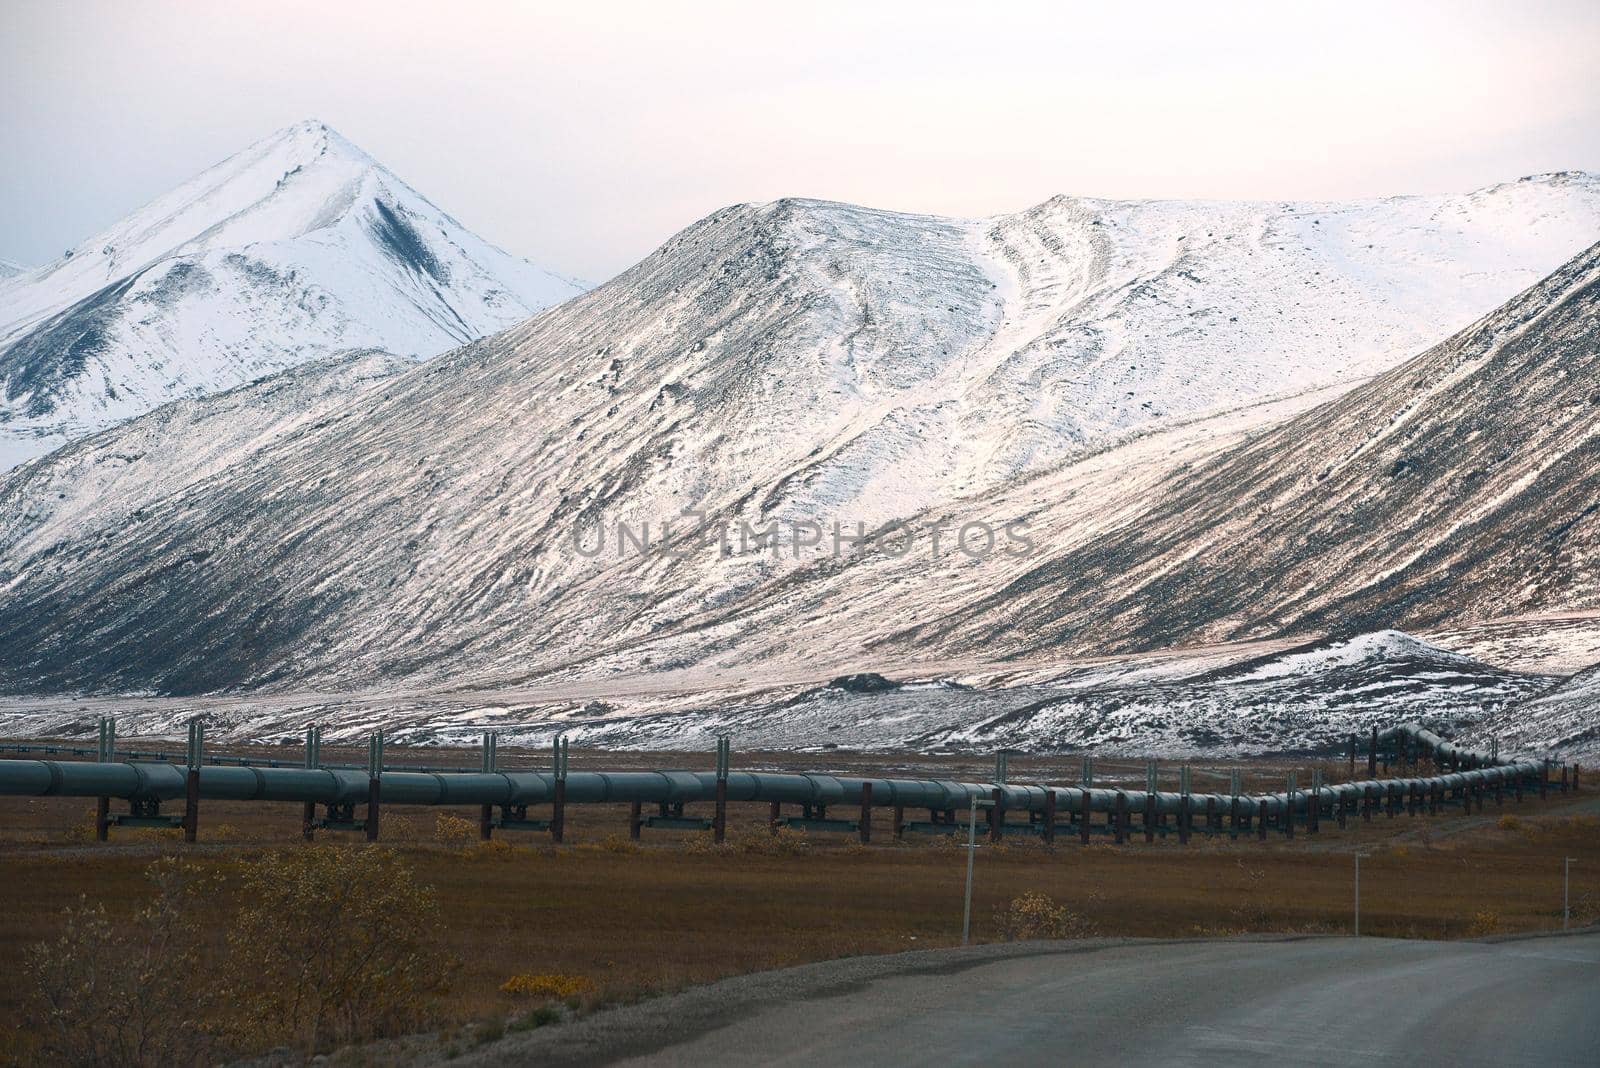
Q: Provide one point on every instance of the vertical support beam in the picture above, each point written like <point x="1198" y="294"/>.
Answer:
<point x="997" y="814"/>
<point x="1184" y="805"/>
<point x="1372" y="755"/>
<point x="107" y="754"/>
<point x="1211" y="815"/>
<point x="774" y="817"/>
<point x="899" y="822"/>
<point x="635" y="819"/>
<point x="490" y="760"/>
<point x="1288" y="808"/>
<point x="1351" y="777"/>
<point x="1085" y="814"/>
<point x="1235" y="788"/>
<point x="1261" y="821"/>
<point x="1121" y="831"/>
<point x="191" y="791"/>
<point x="374" y="783"/>
<point x="1049" y="816"/>
<point x="308" y="816"/>
<point x="1314" y="808"/>
<point x="1544" y="779"/>
<point x="1366" y="805"/>
<point x="558" y="802"/>
<point x="864" y="824"/>
<point x="1150" y="801"/>
<point x="719" y="821"/>
<point x="1563" y="778"/>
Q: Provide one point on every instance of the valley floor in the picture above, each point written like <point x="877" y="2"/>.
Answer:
<point x="635" y="922"/>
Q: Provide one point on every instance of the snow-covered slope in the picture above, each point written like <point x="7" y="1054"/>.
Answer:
<point x="1306" y="698"/>
<point x="792" y="361"/>
<point x="1309" y="699"/>
<point x="10" y="269"/>
<point x="1563" y="721"/>
<point x="1460" y="487"/>
<point x="104" y="482"/>
<point x="298" y="247"/>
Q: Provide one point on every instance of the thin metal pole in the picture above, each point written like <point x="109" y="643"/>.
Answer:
<point x="1358" y="893"/>
<point x="1566" y="882"/>
<point x="972" y="848"/>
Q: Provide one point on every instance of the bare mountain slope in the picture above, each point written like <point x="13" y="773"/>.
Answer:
<point x="788" y="361"/>
<point x="298" y="247"/>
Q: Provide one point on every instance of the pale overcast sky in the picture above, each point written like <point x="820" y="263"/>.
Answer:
<point x="582" y="134"/>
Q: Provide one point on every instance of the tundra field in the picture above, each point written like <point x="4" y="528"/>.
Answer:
<point x="627" y="921"/>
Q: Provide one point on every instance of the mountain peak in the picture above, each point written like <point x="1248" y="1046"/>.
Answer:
<point x="298" y="246"/>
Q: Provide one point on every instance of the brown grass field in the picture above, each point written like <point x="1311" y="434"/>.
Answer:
<point x="643" y="920"/>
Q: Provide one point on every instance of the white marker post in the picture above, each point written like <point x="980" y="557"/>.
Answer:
<point x="972" y="848"/>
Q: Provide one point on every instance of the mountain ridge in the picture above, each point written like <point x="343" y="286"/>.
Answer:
<point x="795" y="360"/>
<point x="294" y="248"/>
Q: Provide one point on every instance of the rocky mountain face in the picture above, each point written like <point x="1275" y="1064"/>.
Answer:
<point x="297" y="248"/>
<point x="800" y="361"/>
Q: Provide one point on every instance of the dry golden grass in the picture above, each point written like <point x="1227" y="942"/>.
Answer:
<point x="635" y="921"/>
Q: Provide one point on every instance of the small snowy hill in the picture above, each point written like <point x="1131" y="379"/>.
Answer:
<point x="298" y="247"/>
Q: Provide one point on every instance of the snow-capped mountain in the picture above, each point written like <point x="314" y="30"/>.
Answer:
<point x="299" y="247"/>
<point x="10" y="268"/>
<point x="793" y="361"/>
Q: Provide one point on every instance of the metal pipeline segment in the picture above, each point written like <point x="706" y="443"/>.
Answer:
<point x="327" y="785"/>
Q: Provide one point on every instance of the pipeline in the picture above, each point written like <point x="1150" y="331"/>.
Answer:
<point x="147" y="782"/>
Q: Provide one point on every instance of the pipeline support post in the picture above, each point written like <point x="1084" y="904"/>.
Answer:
<point x="1085" y="814"/>
<point x="719" y="822"/>
<point x="1049" y="816"/>
<point x="1288" y="808"/>
<point x="864" y="824"/>
<point x="308" y="817"/>
<point x="558" y="806"/>
<point x="107" y="754"/>
<point x="191" y="791"/>
<point x="374" y="784"/>
<point x="1121" y="832"/>
<point x="490" y="759"/>
<point x="774" y="818"/>
<point x="1150" y="801"/>
<point x="1184" y="805"/>
<point x="1372" y="755"/>
<point x="997" y="814"/>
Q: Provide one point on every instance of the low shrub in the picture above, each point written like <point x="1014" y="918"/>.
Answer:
<point x="1036" y="915"/>
<point x="555" y="986"/>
